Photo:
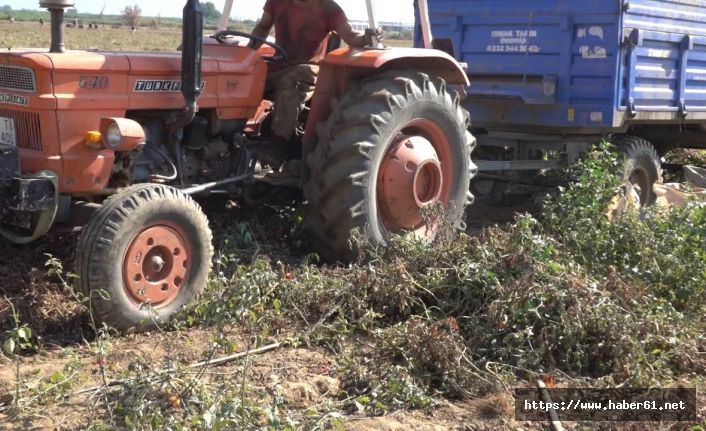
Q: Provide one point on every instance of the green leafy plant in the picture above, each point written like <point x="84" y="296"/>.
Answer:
<point x="17" y="341"/>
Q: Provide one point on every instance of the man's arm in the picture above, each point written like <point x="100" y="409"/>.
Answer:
<point x="351" y="37"/>
<point x="262" y="29"/>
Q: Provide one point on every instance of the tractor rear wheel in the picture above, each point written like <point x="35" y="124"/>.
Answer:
<point x="394" y="146"/>
<point x="145" y="254"/>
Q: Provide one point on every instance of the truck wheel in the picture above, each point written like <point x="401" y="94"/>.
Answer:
<point x="392" y="147"/>
<point x="145" y="254"/>
<point x="640" y="165"/>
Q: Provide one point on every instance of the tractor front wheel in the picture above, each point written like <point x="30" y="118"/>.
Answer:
<point x="145" y="254"/>
<point x="393" y="147"/>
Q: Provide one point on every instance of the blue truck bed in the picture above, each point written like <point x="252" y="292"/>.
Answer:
<point x="578" y="66"/>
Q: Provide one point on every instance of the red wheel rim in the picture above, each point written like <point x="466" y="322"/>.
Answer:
<point x="416" y="173"/>
<point x="157" y="264"/>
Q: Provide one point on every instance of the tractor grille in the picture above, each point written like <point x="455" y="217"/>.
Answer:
<point x="17" y="78"/>
<point x="29" y="133"/>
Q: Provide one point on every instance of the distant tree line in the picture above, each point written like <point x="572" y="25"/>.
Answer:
<point x="132" y="14"/>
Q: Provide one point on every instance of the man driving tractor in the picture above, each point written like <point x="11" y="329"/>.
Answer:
<point x="302" y="28"/>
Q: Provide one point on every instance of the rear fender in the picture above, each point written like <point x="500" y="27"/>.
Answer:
<point x="430" y="61"/>
<point x="344" y="65"/>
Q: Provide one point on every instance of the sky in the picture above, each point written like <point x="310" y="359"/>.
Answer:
<point x="385" y="10"/>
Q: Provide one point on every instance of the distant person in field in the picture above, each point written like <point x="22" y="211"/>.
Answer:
<point x="301" y="29"/>
<point x="41" y="22"/>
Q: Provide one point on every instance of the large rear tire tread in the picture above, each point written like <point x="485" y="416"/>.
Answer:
<point x="102" y="244"/>
<point x="349" y="142"/>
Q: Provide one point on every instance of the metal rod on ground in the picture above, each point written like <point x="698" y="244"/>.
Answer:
<point x="425" y="23"/>
<point x="372" y="23"/>
<point x="556" y="423"/>
<point x="226" y="15"/>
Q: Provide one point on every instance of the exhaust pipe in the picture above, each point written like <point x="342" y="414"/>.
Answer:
<point x="427" y="37"/>
<point x="56" y="9"/>
<point x="372" y="23"/>
<point x="191" y="50"/>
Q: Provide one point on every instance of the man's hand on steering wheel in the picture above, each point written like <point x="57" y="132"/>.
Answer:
<point x="253" y="44"/>
<point x="373" y="35"/>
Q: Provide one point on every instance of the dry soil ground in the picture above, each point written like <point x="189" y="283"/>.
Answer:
<point x="303" y="378"/>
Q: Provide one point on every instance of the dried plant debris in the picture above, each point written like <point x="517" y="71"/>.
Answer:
<point x="410" y="336"/>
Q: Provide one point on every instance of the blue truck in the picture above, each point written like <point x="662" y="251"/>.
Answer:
<point x="555" y="76"/>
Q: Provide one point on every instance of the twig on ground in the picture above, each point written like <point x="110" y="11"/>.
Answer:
<point x="230" y="358"/>
<point x="110" y="384"/>
<point x="556" y="423"/>
<point x="213" y="362"/>
<point x="321" y="321"/>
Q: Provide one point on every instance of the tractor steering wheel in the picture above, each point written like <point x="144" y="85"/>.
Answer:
<point x="280" y="53"/>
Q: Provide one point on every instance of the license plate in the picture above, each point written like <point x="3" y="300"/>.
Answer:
<point x="7" y="132"/>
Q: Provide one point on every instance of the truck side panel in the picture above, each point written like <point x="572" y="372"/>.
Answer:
<point x="549" y="63"/>
<point x="611" y="63"/>
<point x="663" y="64"/>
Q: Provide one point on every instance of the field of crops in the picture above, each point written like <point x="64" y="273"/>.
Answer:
<point x="548" y="287"/>
<point x="31" y="34"/>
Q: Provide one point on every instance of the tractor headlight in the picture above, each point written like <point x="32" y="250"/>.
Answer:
<point x="112" y="136"/>
<point x="121" y="134"/>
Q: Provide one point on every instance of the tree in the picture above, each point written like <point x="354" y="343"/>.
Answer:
<point x="157" y="23"/>
<point x="132" y="15"/>
<point x="7" y="8"/>
<point x="210" y="12"/>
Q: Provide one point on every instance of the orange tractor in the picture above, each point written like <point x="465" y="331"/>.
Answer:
<point x="118" y="143"/>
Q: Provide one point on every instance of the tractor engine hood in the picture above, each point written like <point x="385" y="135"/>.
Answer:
<point x="102" y="79"/>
